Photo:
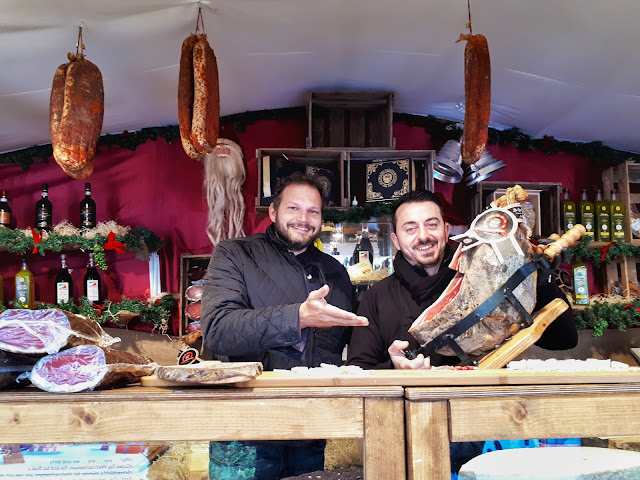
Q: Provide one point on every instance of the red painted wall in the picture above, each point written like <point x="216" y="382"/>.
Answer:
<point x="158" y="187"/>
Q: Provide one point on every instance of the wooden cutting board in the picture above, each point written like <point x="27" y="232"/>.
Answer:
<point x="204" y="373"/>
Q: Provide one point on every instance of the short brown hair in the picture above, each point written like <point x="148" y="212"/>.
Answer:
<point x="298" y="178"/>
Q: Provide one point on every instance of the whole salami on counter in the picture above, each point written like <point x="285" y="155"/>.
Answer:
<point x="48" y="331"/>
<point x="89" y="367"/>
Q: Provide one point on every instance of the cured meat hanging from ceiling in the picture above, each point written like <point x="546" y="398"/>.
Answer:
<point x="477" y="95"/>
<point x="198" y="94"/>
<point x="76" y="111"/>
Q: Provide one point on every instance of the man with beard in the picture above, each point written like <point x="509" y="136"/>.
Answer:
<point x="275" y="298"/>
<point x="421" y="274"/>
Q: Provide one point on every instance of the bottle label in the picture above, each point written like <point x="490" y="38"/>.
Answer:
<point x="5" y="218"/>
<point x="22" y="292"/>
<point x="93" y="290"/>
<point x="363" y="255"/>
<point x="569" y="220"/>
<point x="587" y="220"/>
<point x="43" y="218"/>
<point x="581" y="287"/>
<point x="617" y="226"/>
<point x="62" y="292"/>
<point x="604" y="231"/>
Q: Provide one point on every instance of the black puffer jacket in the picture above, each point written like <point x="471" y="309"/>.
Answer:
<point x="251" y="298"/>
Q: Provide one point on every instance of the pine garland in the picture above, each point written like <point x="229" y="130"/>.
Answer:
<point x="615" y="250"/>
<point x="359" y="214"/>
<point x="21" y="242"/>
<point x="440" y="131"/>
<point x="156" y="313"/>
<point x="605" y="314"/>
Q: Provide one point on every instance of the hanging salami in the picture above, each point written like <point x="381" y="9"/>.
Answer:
<point x="76" y="111"/>
<point x="477" y="97"/>
<point x="198" y="96"/>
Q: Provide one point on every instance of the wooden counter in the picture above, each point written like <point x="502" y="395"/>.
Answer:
<point x="435" y="416"/>
<point x="198" y="414"/>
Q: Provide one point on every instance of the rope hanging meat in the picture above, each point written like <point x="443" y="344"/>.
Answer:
<point x="76" y="111"/>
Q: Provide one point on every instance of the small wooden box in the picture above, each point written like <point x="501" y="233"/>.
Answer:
<point x="192" y="269"/>
<point x="348" y="119"/>
<point x="625" y="178"/>
<point x="275" y="164"/>
<point x="549" y="195"/>
<point x="421" y="169"/>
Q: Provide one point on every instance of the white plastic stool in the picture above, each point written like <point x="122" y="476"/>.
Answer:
<point x="554" y="463"/>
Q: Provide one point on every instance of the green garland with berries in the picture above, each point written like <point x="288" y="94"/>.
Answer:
<point x="607" y="254"/>
<point x="602" y="315"/>
<point x="156" y="313"/>
<point x="22" y="241"/>
<point x="440" y="131"/>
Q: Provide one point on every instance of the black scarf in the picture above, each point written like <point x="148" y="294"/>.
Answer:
<point x="420" y="284"/>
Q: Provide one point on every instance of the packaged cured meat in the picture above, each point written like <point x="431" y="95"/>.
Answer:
<point x="89" y="367"/>
<point x="48" y="331"/>
<point x="193" y="311"/>
<point x="194" y="293"/>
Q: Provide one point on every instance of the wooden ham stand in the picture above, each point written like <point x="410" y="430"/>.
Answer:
<point x="525" y="337"/>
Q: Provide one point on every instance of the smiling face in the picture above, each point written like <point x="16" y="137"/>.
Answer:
<point x="298" y="218"/>
<point x="421" y="234"/>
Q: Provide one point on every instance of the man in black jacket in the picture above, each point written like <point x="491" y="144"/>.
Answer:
<point x="421" y="274"/>
<point x="277" y="299"/>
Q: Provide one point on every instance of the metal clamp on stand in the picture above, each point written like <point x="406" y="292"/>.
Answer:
<point x="505" y="292"/>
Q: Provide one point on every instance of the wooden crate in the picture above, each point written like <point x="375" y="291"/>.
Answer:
<point x="356" y="168"/>
<point x="192" y="268"/>
<point x="348" y="119"/>
<point x="625" y="178"/>
<point x="549" y="195"/>
<point x="620" y="276"/>
<point x="273" y="164"/>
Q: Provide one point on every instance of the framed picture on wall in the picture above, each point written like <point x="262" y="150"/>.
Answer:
<point x="534" y="199"/>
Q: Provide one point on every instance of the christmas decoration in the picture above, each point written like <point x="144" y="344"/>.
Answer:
<point x="156" y="313"/>
<point x="440" y="131"/>
<point x="608" y="312"/>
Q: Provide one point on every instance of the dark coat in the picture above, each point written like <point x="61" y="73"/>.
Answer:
<point x="251" y="298"/>
<point x="391" y="310"/>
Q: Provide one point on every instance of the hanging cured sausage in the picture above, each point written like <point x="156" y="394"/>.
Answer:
<point x="76" y="111"/>
<point x="477" y="97"/>
<point x="198" y="96"/>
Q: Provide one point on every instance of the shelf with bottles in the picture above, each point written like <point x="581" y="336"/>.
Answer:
<point x="365" y="249"/>
<point x="625" y="179"/>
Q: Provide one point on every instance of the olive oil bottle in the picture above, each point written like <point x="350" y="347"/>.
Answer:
<point x="25" y="287"/>
<point x="568" y="212"/>
<point x="617" y="217"/>
<point x="587" y="215"/>
<point x="603" y="219"/>
<point x="580" y="284"/>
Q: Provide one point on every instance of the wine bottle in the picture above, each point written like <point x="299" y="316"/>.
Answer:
<point x="5" y="211"/>
<point x="44" y="210"/>
<point x="568" y="212"/>
<point x="1" y="290"/>
<point x="580" y="284"/>
<point x="92" y="282"/>
<point x="617" y="217"/>
<point x="64" y="283"/>
<point x="25" y="287"/>
<point x="366" y="249"/>
<point x="87" y="209"/>
<point x="603" y="219"/>
<point x="587" y="215"/>
<point x="356" y="251"/>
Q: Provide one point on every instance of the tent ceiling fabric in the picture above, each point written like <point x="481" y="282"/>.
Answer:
<point x="564" y="68"/>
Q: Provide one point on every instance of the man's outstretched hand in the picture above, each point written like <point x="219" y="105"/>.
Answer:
<point x="315" y="311"/>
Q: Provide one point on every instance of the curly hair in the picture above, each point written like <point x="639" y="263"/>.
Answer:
<point x="224" y="176"/>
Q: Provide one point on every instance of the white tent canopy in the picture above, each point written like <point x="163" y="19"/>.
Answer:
<point x="563" y="68"/>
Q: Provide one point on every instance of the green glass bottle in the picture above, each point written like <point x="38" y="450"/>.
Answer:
<point x="603" y="219"/>
<point x="568" y="212"/>
<point x="25" y="287"/>
<point x="580" y="284"/>
<point x="617" y="217"/>
<point x="587" y="215"/>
